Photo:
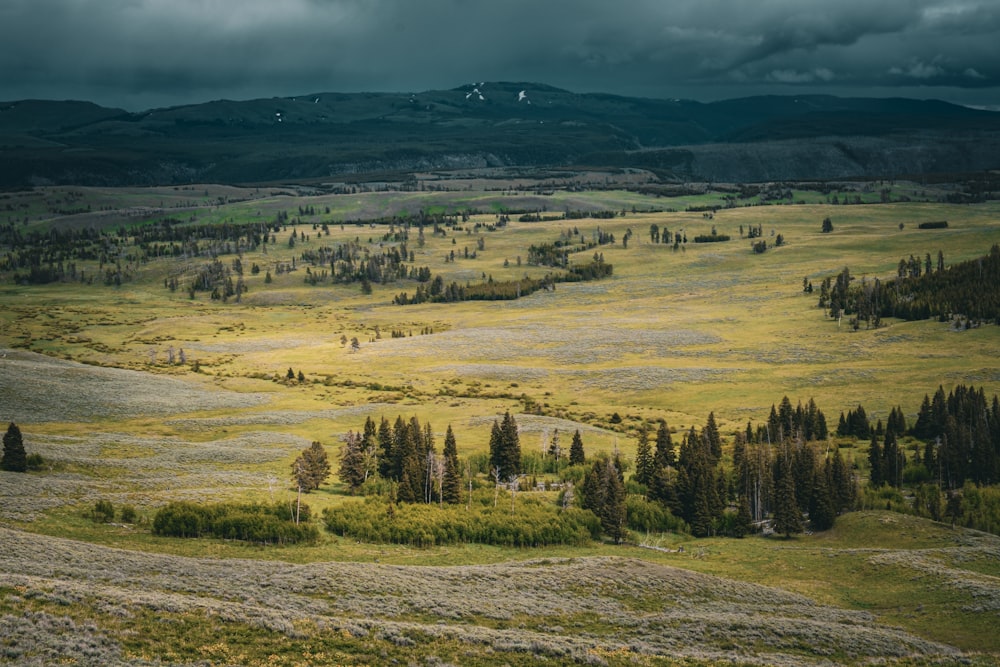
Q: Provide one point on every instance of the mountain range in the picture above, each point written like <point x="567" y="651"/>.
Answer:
<point x="336" y="136"/>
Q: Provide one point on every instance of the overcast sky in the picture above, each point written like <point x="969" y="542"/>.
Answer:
<point x="139" y="54"/>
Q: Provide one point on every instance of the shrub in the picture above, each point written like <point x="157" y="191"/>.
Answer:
<point x="257" y="523"/>
<point x="532" y="523"/>
<point x="128" y="514"/>
<point x="651" y="517"/>
<point x="103" y="512"/>
<point x="35" y="462"/>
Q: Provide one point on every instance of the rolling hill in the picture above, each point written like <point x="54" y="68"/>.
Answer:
<point x="338" y="135"/>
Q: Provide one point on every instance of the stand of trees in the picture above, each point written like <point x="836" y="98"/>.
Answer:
<point x="920" y="290"/>
<point x="437" y="292"/>
<point x="778" y="471"/>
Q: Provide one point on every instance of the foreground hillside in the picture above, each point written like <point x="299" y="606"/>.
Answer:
<point x="67" y="600"/>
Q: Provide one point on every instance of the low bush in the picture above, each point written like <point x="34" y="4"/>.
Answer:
<point x="103" y="512"/>
<point x="648" y="517"/>
<point x="256" y="523"/>
<point x="532" y="523"/>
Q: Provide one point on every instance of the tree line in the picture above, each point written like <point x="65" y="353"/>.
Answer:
<point x="921" y="290"/>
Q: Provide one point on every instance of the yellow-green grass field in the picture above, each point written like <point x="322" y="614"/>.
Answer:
<point x="673" y="334"/>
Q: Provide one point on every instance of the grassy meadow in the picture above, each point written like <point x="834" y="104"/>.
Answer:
<point x="676" y="334"/>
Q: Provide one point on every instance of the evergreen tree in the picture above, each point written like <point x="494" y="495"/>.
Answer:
<point x="613" y="517"/>
<point x="843" y="484"/>
<point x="893" y="461"/>
<point x="593" y="489"/>
<point x="385" y="453"/>
<point x="505" y="448"/>
<point x="804" y="472"/>
<point x="603" y="493"/>
<point x="822" y="513"/>
<point x="15" y="459"/>
<point x="787" y="518"/>
<point x="744" y="522"/>
<point x="312" y="467"/>
<point x="697" y="485"/>
<point x="352" y="469"/>
<point x="645" y="464"/>
<point x="711" y="435"/>
<point x="663" y="490"/>
<point x="451" y="485"/>
<point x="664" y="446"/>
<point x="576" y="454"/>
<point x="512" y="446"/>
<point x="875" y="477"/>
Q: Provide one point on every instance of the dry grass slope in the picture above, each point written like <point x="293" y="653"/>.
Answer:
<point x="562" y="608"/>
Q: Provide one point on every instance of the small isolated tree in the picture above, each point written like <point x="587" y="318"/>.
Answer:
<point x="15" y="459"/>
<point x="827" y="225"/>
<point x="312" y="468"/>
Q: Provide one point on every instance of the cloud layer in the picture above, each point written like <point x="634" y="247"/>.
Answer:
<point x="142" y="53"/>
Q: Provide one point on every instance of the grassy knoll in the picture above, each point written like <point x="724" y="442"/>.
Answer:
<point x="673" y="334"/>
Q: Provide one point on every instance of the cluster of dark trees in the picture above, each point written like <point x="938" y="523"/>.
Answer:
<point x="351" y="262"/>
<point x="557" y="254"/>
<point x="714" y="237"/>
<point x="39" y="257"/>
<point x="603" y="493"/>
<point x="778" y="471"/>
<point x="920" y="290"/>
<point x="507" y="290"/>
<point x="961" y="432"/>
<point x="402" y="453"/>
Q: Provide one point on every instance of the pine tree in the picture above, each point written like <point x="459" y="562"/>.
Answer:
<point x="385" y="453"/>
<point x="711" y="435"/>
<point x="875" y="477"/>
<point x="451" y="485"/>
<point x="312" y="467"/>
<point x="613" y="515"/>
<point x="787" y="518"/>
<point x="352" y="469"/>
<point x="512" y="447"/>
<point x="664" y="446"/>
<point x="603" y="493"/>
<point x="744" y="521"/>
<point x="645" y="464"/>
<point x="822" y="513"/>
<point x="576" y="454"/>
<point x="844" y="487"/>
<point x="15" y="459"/>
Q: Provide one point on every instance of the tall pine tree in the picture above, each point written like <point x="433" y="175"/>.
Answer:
<point x="576" y="453"/>
<point x="787" y="517"/>
<point x="15" y="459"/>
<point x="451" y="485"/>
<point x="645" y="463"/>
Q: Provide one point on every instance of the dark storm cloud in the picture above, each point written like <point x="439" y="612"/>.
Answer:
<point x="140" y="53"/>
